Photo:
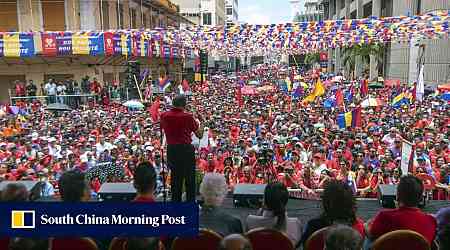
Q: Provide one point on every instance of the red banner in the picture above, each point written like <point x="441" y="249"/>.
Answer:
<point x="49" y="44"/>
<point x="109" y="43"/>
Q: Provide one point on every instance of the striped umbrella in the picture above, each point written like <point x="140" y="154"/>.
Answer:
<point x="372" y="102"/>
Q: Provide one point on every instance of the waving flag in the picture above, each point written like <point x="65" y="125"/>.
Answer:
<point x="154" y="110"/>
<point x="404" y="98"/>
<point x="350" y="119"/>
<point x="339" y="97"/>
<point x="420" y="89"/>
<point x="364" y="88"/>
<point x="164" y="83"/>
<point x="319" y="90"/>
<point x="185" y="85"/>
<point x="288" y="84"/>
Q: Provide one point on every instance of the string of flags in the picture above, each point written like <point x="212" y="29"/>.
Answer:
<point x="230" y="40"/>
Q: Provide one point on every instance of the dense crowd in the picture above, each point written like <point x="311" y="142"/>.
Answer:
<point x="268" y="136"/>
<point x="250" y="138"/>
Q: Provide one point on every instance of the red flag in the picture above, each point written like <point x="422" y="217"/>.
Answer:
<point x="339" y="98"/>
<point x="356" y="117"/>
<point x="364" y="88"/>
<point x="239" y="97"/>
<point x="185" y="85"/>
<point x="109" y="43"/>
<point x="49" y="44"/>
<point x="154" y="110"/>
<point x="171" y="55"/>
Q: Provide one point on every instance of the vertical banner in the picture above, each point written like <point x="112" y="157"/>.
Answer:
<point x="407" y="150"/>
<point x="11" y="45"/>
<point x="1" y="44"/>
<point x="117" y="43"/>
<point x="166" y="51"/>
<point x="134" y="44"/>
<point x="80" y="44"/>
<point x="49" y="44"/>
<point x="64" y="43"/>
<point x="125" y="44"/>
<point x="150" y="48"/>
<point x="26" y="45"/>
<point x="143" y="45"/>
<point x="96" y="44"/>
<point x="108" y="43"/>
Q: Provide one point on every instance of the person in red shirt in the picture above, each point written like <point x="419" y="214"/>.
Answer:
<point x="407" y="216"/>
<point x="144" y="180"/>
<point x="178" y="127"/>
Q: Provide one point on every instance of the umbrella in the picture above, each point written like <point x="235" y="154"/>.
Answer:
<point x="446" y="96"/>
<point x="371" y="102"/>
<point x="376" y="85"/>
<point x="444" y="87"/>
<point x="58" y="107"/>
<point x="133" y="104"/>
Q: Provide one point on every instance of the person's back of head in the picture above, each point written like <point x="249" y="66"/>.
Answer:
<point x="444" y="237"/>
<point x="15" y="192"/>
<point x="148" y="243"/>
<point x="213" y="189"/>
<point x="276" y="197"/>
<point x="409" y="191"/>
<point x="338" y="203"/>
<point x="235" y="242"/>
<point x="179" y="101"/>
<point x="343" y="237"/>
<point x="144" y="178"/>
<point x="73" y="187"/>
<point x="28" y="244"/>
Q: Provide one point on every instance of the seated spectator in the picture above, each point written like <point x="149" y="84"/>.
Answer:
<point x="273" y="214"/>
<point x="339" y="207"/>
<point x="444" y="238"/>
<point x="407" y="215"/>
<point x="213" y="190"/>
<point x="343" y="237"/>
<point x="73" y="187"/>
<point x="145" y="182"/>
<point x="28" y="244"/>
<point x="143" y="244"/>
<point x="442" y="218"/>
<point x="14" y="192"/>
<point x="235" y="242"/>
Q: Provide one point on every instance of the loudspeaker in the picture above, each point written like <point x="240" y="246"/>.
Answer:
<point x="248" y="195"/>
<point x="387" y="195"/>
<point x="117" y="192"/>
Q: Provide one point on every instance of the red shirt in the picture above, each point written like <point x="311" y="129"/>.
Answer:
<point x="404" y="218"/>
<point x="143" y="199"/>
<point x="178" y="126"/>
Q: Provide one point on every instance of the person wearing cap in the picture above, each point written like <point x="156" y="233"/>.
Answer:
<point x="178" y="126"/>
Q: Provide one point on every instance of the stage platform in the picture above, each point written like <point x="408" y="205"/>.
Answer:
<point x="308" y="209"/>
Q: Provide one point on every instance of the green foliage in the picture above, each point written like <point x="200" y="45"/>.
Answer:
<point x="349" y="54"/>
<point x="312" y="58"/>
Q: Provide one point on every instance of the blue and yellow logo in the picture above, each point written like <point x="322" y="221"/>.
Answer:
<point x="21" y="219"/>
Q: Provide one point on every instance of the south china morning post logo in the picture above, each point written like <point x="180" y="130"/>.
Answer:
<point x="22" y="219"/>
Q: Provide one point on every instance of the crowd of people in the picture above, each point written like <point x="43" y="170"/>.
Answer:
<point x="250" y="139"/>
<point x="269" y="136"/>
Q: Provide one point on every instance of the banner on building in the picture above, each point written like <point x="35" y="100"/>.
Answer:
<point x="16" y="44"/>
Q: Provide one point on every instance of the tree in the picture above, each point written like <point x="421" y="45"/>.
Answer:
<point x="312" y="58"/>
<point x="349" y="55"/>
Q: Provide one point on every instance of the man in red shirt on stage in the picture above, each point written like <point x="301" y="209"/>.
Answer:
<point x="178" y="126"/>
<point x="407" y="215"/>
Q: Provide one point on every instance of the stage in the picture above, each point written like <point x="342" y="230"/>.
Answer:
<point x="308" y="209"/>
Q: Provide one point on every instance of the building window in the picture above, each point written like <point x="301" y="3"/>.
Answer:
<point x="229" y="11"/>
<point x="8" y="16"/>
<point x="207" y="19"/>
<point x="53" y="12"/>
<point x="105" y="14"/>
<point x="133" y="18"/>
<point x="120" y="16"/>
<point x="144" y="20"/>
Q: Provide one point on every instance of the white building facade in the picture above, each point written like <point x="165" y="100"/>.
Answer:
<point x="232" y="13"/>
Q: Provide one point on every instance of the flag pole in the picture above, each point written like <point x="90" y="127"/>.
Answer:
<point x="137" y="86"/>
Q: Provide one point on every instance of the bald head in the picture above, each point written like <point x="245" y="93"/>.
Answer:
<point x="235" y="242"/>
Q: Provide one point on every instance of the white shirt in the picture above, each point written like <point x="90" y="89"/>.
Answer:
<point x="267" y="220"/>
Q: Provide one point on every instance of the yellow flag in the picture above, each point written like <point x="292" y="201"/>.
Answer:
<point x="80" y="44"/>
<point x="319" y="89"/>
<point x="11" y="44"/>
<point x="142" y="45"/>
<point x="124" y="44"/>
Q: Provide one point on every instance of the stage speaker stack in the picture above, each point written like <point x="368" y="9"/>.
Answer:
<point x="133" y="70"/>
<point x="117" y="192"/>
<point x="248" y="195"/>
<point x="387" y="195"/>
